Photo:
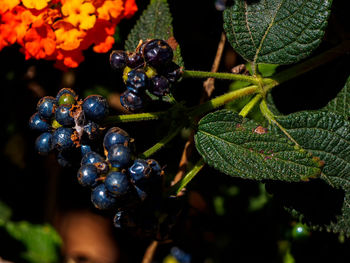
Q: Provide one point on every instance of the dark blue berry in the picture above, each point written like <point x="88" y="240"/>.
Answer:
<point x="91" y="158"/>
<point x="85" y="149"/>
<point x="155" y="167"/>
<point x="101" y="199"/>
<point x="117" y="183"/>
<point x="95" y="107"/>
<point x="115" y="135"/>
<point x="46" y="107"/>
<point x="134" y="60"/>
<point x="119" y="156"/>
<point x="63" y="115"/>
<point x="139" y="170"/>
<point x="65" y="91"/>
<point x="157" y="53"/>
<point x="43" y="143"/>
<point x="159" y="86"/>
<point x="180" y="255"/>
<point x="137" y="81"/>
<point x="36" y="123"/>
<point x="62" y="138"/>
<point x="87" y="175"/>
<point x="117" y="59"/>
<point x="130" y="101"/>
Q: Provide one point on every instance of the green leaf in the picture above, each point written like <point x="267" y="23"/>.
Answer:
<point x="341" y="103"/>
<point x="276" y="31"/>
<point x="155" y="22"/>
<point x="242" y="148"/>
<point x="41" y="241"/>
<point x="327" y="136"/>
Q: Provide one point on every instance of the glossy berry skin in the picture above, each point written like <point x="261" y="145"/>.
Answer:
<point x="87" y="175"/>
<point x="65" y="91"/>
<point x="159" y="86"/>
<point x="43" y="144"/>
<point x="91" y="158"/>
<point x="117" y="59"/>
<point x="155" y="167"/>
<point x="119" y="156"/>
<point x="157" y="53"/>
<point x="101" y="199"/>
<point x="36" y="123"/>
<point x="66" y="98"/>
<point x="63" y="116"/>
<point x="134" y="60"/>
<point x="117" y="184"/>
<point x="130" y="101"/>
<point x="46" y="107"/>
<point x="115" y="135"/>
<point x="62" y="138"/>
<point x="137" y="81"/>
<point x="95" y="107"/>
<point x="85" y="149"/>
<point x="140" y="170"/>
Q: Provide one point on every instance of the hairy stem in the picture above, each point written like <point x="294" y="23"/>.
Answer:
<point x="161" y="143"/>
<point x="250" y="105"/>
<point x="222" y="100"/>
<point x="218" y="75"/>
<point x="134" y="117"/>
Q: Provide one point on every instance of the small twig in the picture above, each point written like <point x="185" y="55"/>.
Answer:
<point x="208" y="88"/>
<point x="150" y="251"/>
<point x="208" y="85"/>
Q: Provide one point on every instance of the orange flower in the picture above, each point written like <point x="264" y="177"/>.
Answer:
<point x="79" y="12"/>
<point x="68" y="37"/>
<point x="8" y="5"/>
<point x="35" y="4"/>
<point x="110" y="9"/>
<point x="39" y="41"/>
<point x="130" y="8"/>
<point x="70" y="59"/>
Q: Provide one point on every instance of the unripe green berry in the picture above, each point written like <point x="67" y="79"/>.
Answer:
<point x="66" y="99"/>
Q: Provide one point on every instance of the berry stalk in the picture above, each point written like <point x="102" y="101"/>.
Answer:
<point x="134" y="117"/>
<point x="219" y="75"/>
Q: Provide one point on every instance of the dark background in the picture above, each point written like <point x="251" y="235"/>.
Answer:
<point x="38" y="190"/>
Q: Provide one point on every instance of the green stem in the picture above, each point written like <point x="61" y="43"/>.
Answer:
<point x="161" y="143"/>
<point x="134" y="117"/>
<point x="222" y="100"/>
<point x="219" y="75"/>
<point x="249" y="106"/>
<point x="188" y="177"/>
<point x="308" y="65"/>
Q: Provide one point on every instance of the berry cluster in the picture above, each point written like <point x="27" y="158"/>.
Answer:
<point x="67" y="122"/>
<point x="149" y="68"/>
<point x="133" y="187"/>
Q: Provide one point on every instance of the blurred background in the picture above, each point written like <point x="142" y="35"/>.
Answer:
<point x="225" y="219"/>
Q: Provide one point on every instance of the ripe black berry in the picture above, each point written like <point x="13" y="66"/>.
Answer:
<point x="130" y="101"/>
<point x="117" y="59"/>
<point x="157" y="53"/>
<point x="159" y="86"/>
<point x="134" y="60"/>
<point x="95" y="107"/>
<point x="137" y="81"/>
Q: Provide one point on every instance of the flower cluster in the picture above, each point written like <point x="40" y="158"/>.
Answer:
<point x="61" y="29"/>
